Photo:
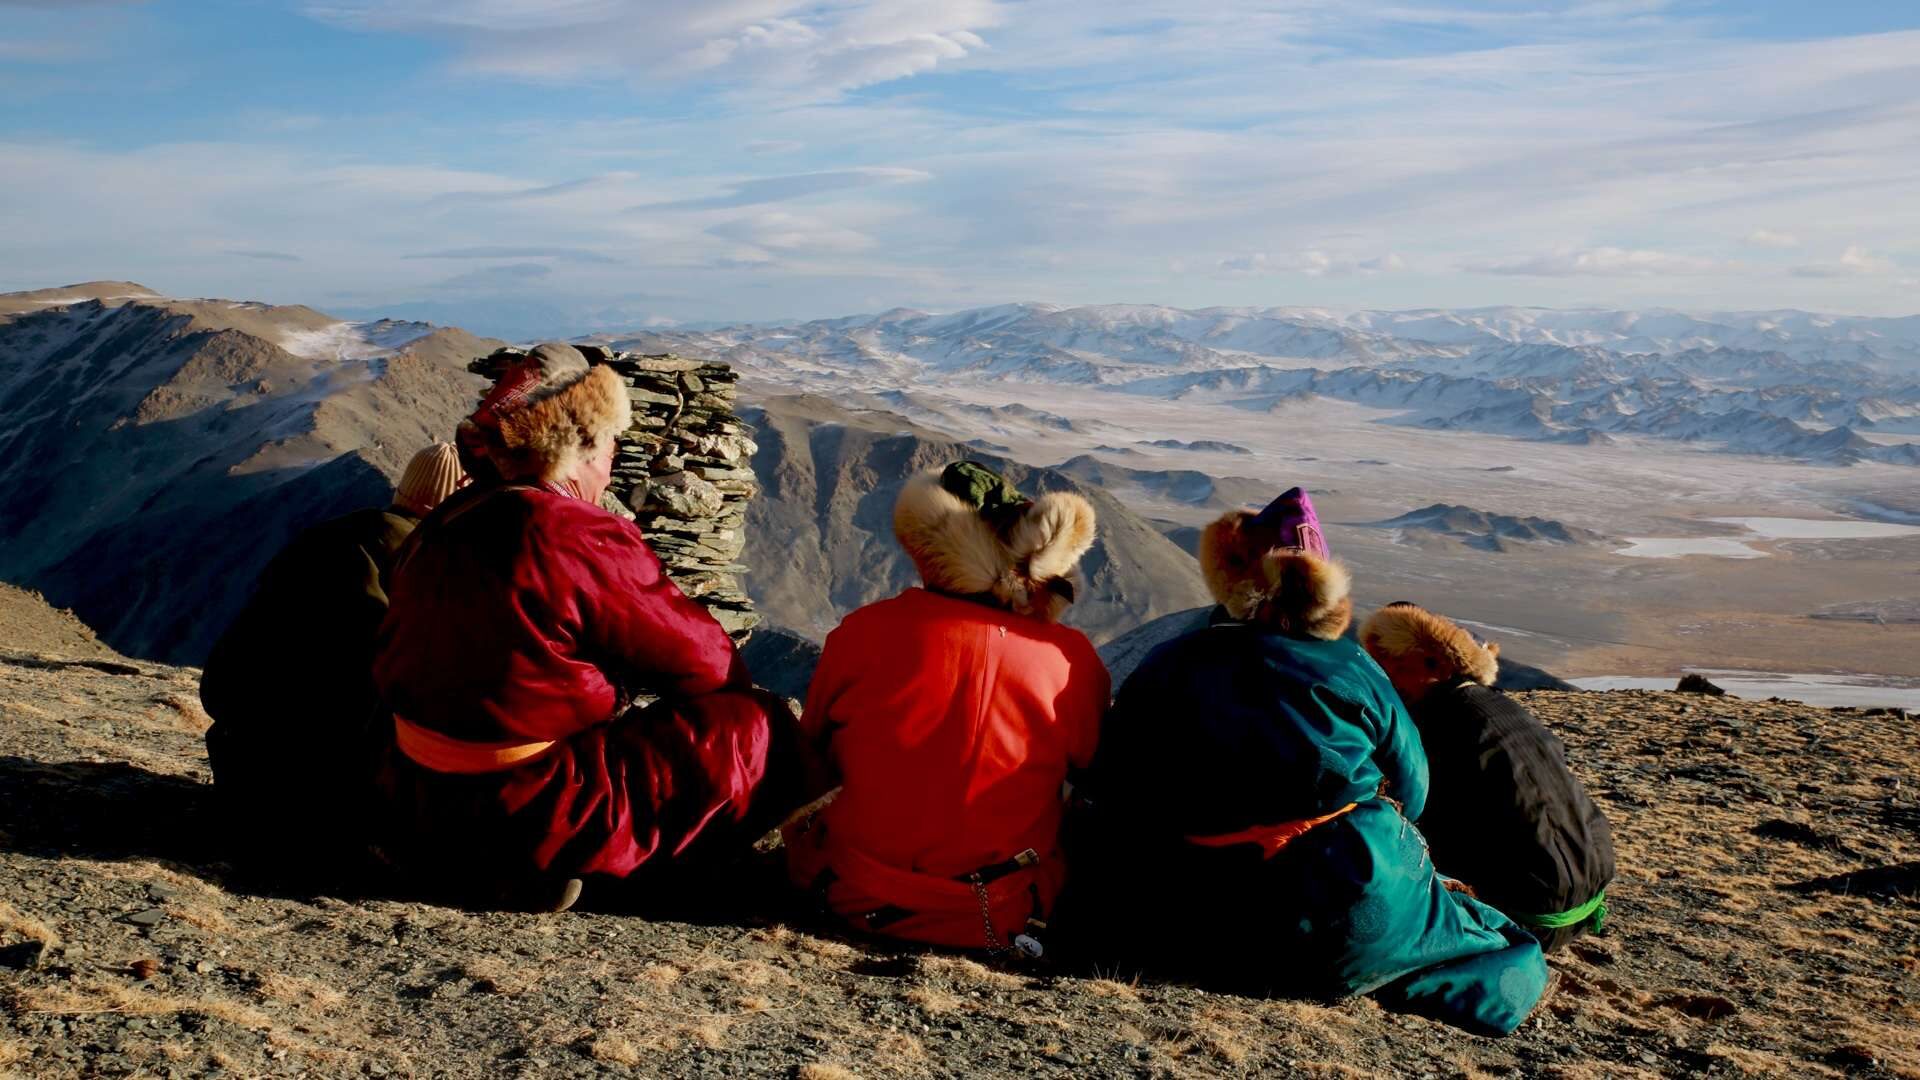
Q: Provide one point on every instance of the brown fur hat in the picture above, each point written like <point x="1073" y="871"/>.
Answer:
<point x="546" y="437"/>
<point x="1027" y="565"/>
<point x="1258" y="580"/>
<point x="1437" y="648"/>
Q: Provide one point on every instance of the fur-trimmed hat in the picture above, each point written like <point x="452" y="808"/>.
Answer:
<point x="545" y="435"/>
<point x="1419" y="648"/>
<point x="1274" y="568"/>
<point x="969" y="533"/>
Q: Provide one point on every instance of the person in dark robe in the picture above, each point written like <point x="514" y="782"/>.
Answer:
<point x="1506" y="815"/>
<point x="562" y="712"/>
<point x="1248" y="817"/>
<point x="289" y="685"/>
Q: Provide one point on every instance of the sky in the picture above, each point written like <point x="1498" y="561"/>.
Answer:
<point x="586" y="164"/>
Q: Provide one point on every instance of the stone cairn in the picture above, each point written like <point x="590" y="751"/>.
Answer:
<point x="683" y="472"/>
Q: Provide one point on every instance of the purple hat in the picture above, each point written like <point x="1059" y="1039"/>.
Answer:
<point x="1299" y="527"/>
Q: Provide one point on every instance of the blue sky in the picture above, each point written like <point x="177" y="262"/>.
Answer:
<point x="615" y="162"/>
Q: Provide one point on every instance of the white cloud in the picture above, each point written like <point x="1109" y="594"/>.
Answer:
<point x="1597" y="262"/>
<point x="790" y="46"/>
<point x="1311" y="263"/>
<point x="1856" y="261"/>
<point x="1768" y="238"/>
<point x="777" y="230"/>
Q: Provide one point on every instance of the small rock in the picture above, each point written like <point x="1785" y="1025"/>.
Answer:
<point x="150" y="917"/>
<point x="144" y="968"/>
<point x="1694" y="683"/>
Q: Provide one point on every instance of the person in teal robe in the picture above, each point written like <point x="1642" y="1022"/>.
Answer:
<point x="1249" y="816"/>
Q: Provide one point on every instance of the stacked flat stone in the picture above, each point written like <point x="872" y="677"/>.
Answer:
<point x="683" y="472"/>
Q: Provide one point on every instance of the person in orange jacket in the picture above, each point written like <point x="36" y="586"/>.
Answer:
<point x="952" y="714"/>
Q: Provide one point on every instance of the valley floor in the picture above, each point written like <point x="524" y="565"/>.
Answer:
<point x="1765" y="923"/>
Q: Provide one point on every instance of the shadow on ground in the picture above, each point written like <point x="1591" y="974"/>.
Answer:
<point x="105" y="810"/>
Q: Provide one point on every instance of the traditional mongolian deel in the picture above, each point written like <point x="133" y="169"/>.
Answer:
<point x="296" y="720"/>
<point x="562" y="707"/>
<point x="683" y="470"/>
<point x="1251" y="807"/>
<point x="1506" y="815"/>
<point x="290" y="690"/>
<point x="524" y="616"/>
<point x="953" y="714"/>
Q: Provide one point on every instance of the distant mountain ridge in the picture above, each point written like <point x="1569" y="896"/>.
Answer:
<point x="1786" y="383"/>
<point x="156" y="452"/>
<point x="1489" y="532"/>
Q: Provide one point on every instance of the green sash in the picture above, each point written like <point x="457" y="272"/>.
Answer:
<point x="1594" y="909"/>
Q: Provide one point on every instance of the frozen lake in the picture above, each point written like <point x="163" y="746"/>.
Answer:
<point x="1864" y="691"/>
<point x="1761" y="528"/>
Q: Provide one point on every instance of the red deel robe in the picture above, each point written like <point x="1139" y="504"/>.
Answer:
<point x="523" y="614"/>
<point x="952" y="725"/>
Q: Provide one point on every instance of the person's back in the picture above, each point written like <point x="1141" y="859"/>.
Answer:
<point x="1507" y="816"/>
<point x="952" y="718"/>
<point x="953" y="746"/>
<point x="1249" y="810"/>
<point x="289" y="685"/>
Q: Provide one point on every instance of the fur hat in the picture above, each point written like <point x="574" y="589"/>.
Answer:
<point x="523" y="375"/>
<point x="432" y="475"/>
<point x="969" y="535"/>
<point x="546" y="434"/>
<point x="1274" y="568"/>
<point x="1420" y="649"/>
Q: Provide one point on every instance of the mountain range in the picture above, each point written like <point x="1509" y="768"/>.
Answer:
<point x="155" y="452"/>
<point x="1828" y="389"/>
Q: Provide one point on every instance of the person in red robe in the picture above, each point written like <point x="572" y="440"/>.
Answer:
<point x="952" y="714"/>
<point x="562" y="711"/>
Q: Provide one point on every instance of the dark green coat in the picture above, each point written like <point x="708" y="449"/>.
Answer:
<point x="290" y="688"/>
<point x="1231" y="728"/>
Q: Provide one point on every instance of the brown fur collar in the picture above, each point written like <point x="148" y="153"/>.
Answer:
<point x="545" y="438"/>
<point x="1420" y="650"/>
<point x="1257" y="581"/>
<point x="957" y="551"/>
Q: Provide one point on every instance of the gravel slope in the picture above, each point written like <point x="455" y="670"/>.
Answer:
<point x="1739" y="947"/>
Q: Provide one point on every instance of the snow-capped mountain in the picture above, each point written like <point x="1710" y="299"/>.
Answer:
<point x="1785" y="383"/>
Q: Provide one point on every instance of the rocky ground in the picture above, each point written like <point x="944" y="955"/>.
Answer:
<point x="1766" y="923"/>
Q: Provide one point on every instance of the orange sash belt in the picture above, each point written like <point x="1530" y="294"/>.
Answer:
<point x="1271" y="838"/>
<point x="435" y="751"/>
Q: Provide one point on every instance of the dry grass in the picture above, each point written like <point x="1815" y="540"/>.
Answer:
<point x="20" y="924"/>
<point x="898" y="1052"/>
<point x="753" y="1003"/>
<point x="614" y="1049"/>
<point x="933" y="1001"/>
<point x="497" y="976"/>
<point x="89" y="997"/>
<point x="660" y="976"/>
<point x="182" y="712"/>
<point x="960" y="971"/>
<point x="301" y="992"/>
<point x="1110" y="988"/>
<point x="826" y="948"/>
<point x="821" y="1070"/>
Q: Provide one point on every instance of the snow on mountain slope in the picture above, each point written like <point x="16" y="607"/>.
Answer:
<point x="1779" y="383"/>
<point x="154" y="453"/>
